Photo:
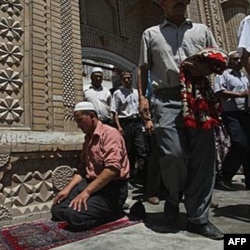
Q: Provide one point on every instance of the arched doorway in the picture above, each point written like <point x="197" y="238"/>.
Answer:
<point x="111" y="63"/>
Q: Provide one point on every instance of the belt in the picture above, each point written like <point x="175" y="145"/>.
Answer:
<point x="172" y="92"/>
<point x="237" y="112"/>
<point x="130" y="118"/>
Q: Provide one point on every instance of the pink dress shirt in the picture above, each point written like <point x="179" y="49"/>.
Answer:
<point x="106" y="148"/>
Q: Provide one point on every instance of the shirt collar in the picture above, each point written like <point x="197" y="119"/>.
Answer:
<point x="93" y="87"/>
<point x="166" y="22"/>
<point x="235" y="72"/>
<point x="122" y="87"/>
<point x="97" y="132"/>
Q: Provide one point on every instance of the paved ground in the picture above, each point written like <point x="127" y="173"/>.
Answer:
<point x="232" y="216"/>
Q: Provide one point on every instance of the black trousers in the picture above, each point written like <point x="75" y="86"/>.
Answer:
<point x="237" y="124"/>
<point x="153" y="184"/>
<point x="103" y="206"/>
<point x="135" y="143"/>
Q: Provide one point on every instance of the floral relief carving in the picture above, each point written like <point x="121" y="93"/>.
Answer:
<point x="10" y="110"/>
<point x="5" y="165"/>
<point x="28" y="188"/>
<point x="4" y="158"/>
<point x="5" y="213"/>
<point x="10" y="29"/>
<point x="12" y="7"/>
<point x="61" y="176"/>
<point x="10" y="81"/>
<point x="10" y="54"/>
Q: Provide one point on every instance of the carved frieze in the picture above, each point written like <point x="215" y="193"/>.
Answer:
<point x="5" y="213"/>
<point x="12" y="7"/>
<point x="10" y="29"/>
<point x="29" y="188"/>
<point x="5" y="165"/>
<point x="61" y="177"/>
<point x="4" y="158"/>
<point x="10" y="110"/>
<point x="10" y="81"/>
<point x="10" y="54"/>
<point x="31" y="184"/>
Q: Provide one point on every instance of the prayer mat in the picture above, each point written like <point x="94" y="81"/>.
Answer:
<point x="46" y="234"/>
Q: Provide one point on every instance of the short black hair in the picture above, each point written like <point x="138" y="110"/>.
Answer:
<point x="125" y="73"/>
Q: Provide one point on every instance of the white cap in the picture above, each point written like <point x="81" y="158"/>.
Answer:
<point x="81" y="106"/>
<point x="96" y="69"/>
<point x="232" y="52"/>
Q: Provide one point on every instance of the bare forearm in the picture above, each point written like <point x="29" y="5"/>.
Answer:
<point x="75" y="180"/>
<point x="116" y="121"/>
<point x="142" y="80"/>
<point x="231" y="94"/>
<point x="107" y="175"/>
<point x="142" y="87"/>
<point x="245" y="60"/>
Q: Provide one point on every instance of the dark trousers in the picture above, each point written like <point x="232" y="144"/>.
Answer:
<point x="238" y="127"/>
<point x="186" y="157"/>
<point x="102" y="206"/>
<point x="135" y="143"/>
<point x="153" y="184"/>
<point x="222" y="143"/>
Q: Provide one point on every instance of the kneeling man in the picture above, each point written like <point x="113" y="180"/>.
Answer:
<point x="98" y="189"/>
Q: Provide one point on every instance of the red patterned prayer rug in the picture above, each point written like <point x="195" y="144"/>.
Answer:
<point x="46" y="234"/>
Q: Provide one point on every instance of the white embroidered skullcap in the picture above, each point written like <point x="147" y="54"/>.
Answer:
<point x="81" y="106"/>
<point x="96" y="69"/>
<point x="232" y="52"/>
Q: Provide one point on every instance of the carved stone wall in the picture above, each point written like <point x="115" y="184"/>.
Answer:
<point x="28" y="180"/>
<point x="233" y="13"/>
<point x="11" y="61"/>
<point x="27" y="188"/>
<point x="40" y="64"/>
<point x="40" y="82"/>
<point x="222" y="17"/>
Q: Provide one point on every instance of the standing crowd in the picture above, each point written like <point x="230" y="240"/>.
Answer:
<point x="162" y="132"/>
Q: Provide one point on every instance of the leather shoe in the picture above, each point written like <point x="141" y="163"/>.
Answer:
<point x="208" y="230"/>
<point x="125" y="206"/>
<point x="171" y="212"/>
<point x="130" y="186"/>
<point x="154" y="200"/>
<point x="214" y="205"/>
<point x="224" y="186"/>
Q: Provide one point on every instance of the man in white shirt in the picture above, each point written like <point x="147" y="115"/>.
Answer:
<point x="232" y="87"/>
<point x="125" y="104"/>
<point x="99" y="96"/>
<point x="244" y="43"/>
